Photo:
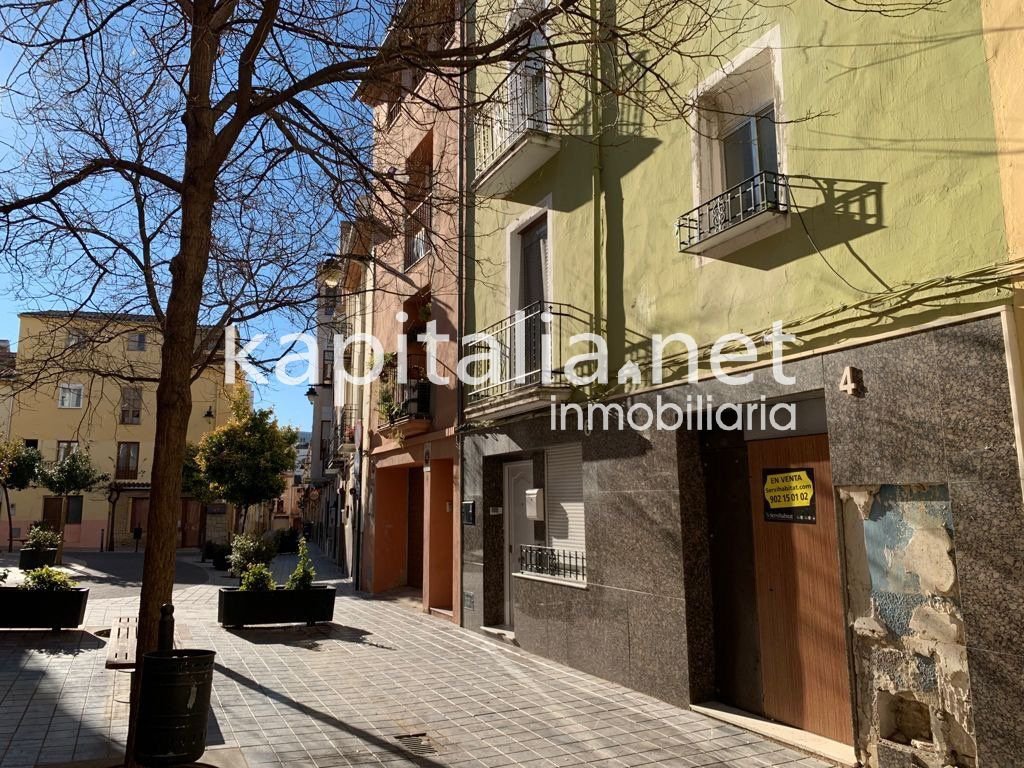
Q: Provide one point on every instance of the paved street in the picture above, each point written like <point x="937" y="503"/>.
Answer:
<point x="345" y="693"/>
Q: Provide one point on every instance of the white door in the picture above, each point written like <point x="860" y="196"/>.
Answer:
<point x="518" y="528"/>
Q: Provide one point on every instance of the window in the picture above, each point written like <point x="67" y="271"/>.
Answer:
<point x="137" y="342"/>
<point x="74" y="510"/>
<point x="740" y="192"/>
<point x="327" y="372"/>
<point x="329" y="299"/>
<point x="131" y="405"/>
<point x="33" y="444"/>
<point x="65" y="448"/>
<point x="70" y="395"/>
<point x="127" y="461"/>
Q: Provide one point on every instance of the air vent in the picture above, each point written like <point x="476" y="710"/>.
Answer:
<point x="416" y="743"/>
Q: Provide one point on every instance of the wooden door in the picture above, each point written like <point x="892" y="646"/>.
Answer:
<point x="189" y="523"/>
<point x="51" y="512"/>
<point x="414" y="547"/>
<point x="804" y="663"/>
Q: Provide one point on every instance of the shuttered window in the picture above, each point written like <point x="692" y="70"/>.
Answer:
<point x="563" y="497"/>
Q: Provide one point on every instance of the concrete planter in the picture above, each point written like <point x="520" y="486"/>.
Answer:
<point x="30" y="559"/>
<point x="32" y="608"/>
<point x="236" y="608"/>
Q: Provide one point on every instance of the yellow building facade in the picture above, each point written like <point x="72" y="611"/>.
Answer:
<point x="88" y="382"/>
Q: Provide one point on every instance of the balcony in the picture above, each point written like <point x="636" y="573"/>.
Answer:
<point x="417" y="233"/>
<point x="343" y="441"/>
<point x="524" y="371"/>
<point x="748" y="212"/>
<point x="514" y="137"/>
<point x="557" y="563"/>
<point x="403" y="407"/>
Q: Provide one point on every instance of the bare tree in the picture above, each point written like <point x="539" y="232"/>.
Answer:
<point x="187" y="159"/>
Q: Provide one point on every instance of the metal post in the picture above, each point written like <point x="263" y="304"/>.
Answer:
<point x="102" y="531"/>
<point x="165" y="636"/>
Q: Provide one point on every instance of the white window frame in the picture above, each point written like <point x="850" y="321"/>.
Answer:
<point x="63" y="389"/>
<point x="513" y="252"/>
<point x="761" y="60"/>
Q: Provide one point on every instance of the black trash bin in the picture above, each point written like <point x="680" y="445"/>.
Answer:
<point x="174" y="704"/>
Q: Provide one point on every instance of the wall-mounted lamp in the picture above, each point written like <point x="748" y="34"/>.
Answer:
<point x="311" y="395"/>
<point x="209" y="413"/>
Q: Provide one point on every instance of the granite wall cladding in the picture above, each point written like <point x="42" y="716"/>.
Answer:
<point x="631" y="622"/>
<point x="936" y="410"/>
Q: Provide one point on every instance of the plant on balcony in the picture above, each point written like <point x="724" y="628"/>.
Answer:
<point x="257" y="578"/>
<point x="304" y="573"/>
<point x="19" y="468"/>
<point x="46" y="598"/>
<point x="40" y="548"/>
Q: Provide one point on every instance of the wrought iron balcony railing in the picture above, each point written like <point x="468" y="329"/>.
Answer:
<point x="343" y="437"/>
<point x="517" y="350"/>
<point x="398" y="401"/>
<point x="547" y="561"/>
<point x="417" y="232"/>
<point x="765" y="192"/>
<point x="502" y="123"/>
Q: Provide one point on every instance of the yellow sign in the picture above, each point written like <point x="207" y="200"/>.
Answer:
<point x="787" y="490"/>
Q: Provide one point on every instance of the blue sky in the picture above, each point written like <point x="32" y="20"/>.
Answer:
<point x="288" y="402"/>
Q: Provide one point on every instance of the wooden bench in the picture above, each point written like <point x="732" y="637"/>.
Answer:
<point x="124" y="636"/>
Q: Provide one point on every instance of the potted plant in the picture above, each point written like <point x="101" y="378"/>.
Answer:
<point x="260" y="601"/>
<point x="40" y="548"/>
<point x="248" y="550"/>
<point x="47" y="598"/>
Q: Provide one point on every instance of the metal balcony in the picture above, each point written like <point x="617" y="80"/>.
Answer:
<point x="745" y="211"/>
<point x="343" y="440"/>
<point x="417" y="233"/>
<point x="514" y="136"/>
<point x="547" y="561"/>
<point x="404" y="406"/>
<point x="519" y="378"/>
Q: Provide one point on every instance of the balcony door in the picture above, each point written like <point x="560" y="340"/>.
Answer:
<point x="529" y="296"/>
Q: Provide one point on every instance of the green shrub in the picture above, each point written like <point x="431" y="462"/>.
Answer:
<point x="248" y="550"/>
<point x="303" y="575"/>
<point x="257" y="578"/>
<point x="48" y="579"/>
<point x="41" y="537"/>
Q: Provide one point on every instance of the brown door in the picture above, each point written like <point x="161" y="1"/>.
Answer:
<point x="189" y="523"/>
<point x="804" y="663"/>
<point x="51" y="512"/>
<point x="415" y="531"/>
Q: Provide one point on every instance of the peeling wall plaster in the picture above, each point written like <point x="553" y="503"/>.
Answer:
<point x="904" y="608"/>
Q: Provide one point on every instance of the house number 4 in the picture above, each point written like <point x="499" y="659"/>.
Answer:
<point x="852" y="381"/>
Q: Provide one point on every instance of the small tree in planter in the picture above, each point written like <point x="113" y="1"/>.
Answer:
<point x="70" y="476"/>
<point x="258" y="579"/>
<point x="303" y="575"/>
<point x="19" y="468"/>
<point x="40" y="548"/>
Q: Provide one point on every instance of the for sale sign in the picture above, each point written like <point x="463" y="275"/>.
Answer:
<point x="789" y="495"/>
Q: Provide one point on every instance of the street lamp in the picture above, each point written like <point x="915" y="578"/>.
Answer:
<point x="311" y="395"/>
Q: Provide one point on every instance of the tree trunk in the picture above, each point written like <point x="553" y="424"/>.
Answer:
<point x="10" y="521"/>
<point x="174" y="393"/>
<point x="60" y="528"/>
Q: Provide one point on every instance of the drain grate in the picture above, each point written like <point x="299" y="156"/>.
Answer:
<point x="417" y="743"/>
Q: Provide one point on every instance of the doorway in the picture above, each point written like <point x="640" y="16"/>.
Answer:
<point x="519" y="529"/>
<point x="805" y="673"/>
<point x="414" y="544"/>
